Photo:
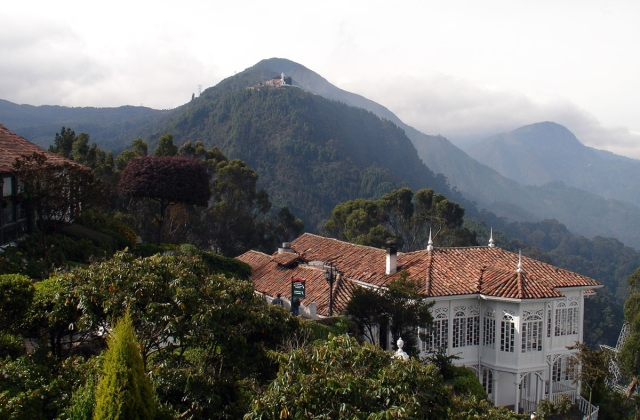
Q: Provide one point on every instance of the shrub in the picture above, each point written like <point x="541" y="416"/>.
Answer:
<point x="124" y="390"/>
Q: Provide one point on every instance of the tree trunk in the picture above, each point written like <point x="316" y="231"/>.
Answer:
<point x="631" y="387"/>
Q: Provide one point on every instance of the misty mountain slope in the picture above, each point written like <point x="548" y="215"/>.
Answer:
<point x="40" y="124"/>
<point x="546" y="152"/>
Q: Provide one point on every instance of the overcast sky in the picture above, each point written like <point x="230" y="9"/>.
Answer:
<point x="463" y="69"/>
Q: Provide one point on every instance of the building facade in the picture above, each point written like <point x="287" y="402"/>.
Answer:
<point x="507" y="317"/>
<point x="13" y="218"/>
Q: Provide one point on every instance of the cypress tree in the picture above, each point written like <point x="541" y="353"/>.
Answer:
<point x="124" y="391"/>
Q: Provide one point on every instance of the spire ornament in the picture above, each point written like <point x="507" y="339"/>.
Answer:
<point x="519" y="270"/>
<point x="491" y="244"/>
<point x="430" y="243"/>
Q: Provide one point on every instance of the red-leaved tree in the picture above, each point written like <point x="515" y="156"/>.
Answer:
<point x="167" y="180"/>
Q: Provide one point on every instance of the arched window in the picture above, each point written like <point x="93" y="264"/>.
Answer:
<point x="567" y="317"/>
<point x="532" y="331"/>
<point x="507" y="332"/>
<point x="466" y="326"/>
<point x="436" y="337"/>
<point x="562" y="369"/>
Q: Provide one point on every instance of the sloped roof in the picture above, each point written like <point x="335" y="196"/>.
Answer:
<point x="271" y="277"/>
<point x="12" y="146"/>
<point x="443" y="271"/>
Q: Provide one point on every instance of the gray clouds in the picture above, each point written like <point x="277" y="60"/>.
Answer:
<point x="466" y="113"/>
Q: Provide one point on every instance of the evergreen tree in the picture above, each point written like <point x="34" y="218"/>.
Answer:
<point x="124" y="391"/>
<point x="166" y="146"/>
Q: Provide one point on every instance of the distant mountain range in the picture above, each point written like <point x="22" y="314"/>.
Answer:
<point x="313" y="153"/>
<point x="547" y="152"/>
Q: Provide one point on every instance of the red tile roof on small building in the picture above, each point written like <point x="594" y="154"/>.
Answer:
<point x="442" y="271"/>
<point x="12" y="146"/>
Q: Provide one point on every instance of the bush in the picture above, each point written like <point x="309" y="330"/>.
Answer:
<point x="465" y="382"/>
<point x="322" y="329"/>
<point x="148" y="250"/>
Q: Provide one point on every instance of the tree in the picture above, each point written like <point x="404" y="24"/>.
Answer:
<point x="205" y="336"/>
<point x="166" y="146"/>
<point x="593" y="367"/>
<point x="400" y="307"/>
<point x="63" y="142"/>
<point x="55" y="193"/>
<point x="408" y="218"/>
<point x="341" y="379"/>
<point x="234" y="221"/>
<point x="124" y="391"/>
<point x="16" y="295"/>
<point x="167" y="180"/>
<point x="629" y="355"/>
<point x="80" y="148"/>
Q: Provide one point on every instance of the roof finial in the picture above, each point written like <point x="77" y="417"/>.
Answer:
<point x="519" y="270"/>
<point x="491" y="244"/>
<point x="430" y="243"/>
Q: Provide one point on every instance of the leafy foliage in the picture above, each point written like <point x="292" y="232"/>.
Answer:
<point x="168" y="180"/>
<point x="55" y="194"/>
<point x="16" y="294"/>
<point x="400" y="307"/>
<point x="403" y="217"/>
<point x="342" y="379"/>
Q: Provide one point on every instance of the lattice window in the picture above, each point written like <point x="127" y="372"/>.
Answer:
<point x="466" y="326"/>
<point x="438" y="335"/>
<point x="507" y="332"/>
<point x="531" y="331"/>
<point x="473" y="326"/>
<point x="562" y="370"/>
<point x="459" y="326"/>
<point x="567" y="318"/>
<point x="489" y="339"/>
<point x="487" y="380"/>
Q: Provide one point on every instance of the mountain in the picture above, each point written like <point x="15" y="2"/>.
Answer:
<point x="218" y="118"/>
<point x="39" y="124"/>
<point x="311" y="153"/>
<point x="546" y="152"/>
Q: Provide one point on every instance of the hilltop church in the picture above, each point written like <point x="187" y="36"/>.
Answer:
<point x="507" y="317"/>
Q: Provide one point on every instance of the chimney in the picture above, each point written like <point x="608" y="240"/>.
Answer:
<point x="391" y="258"/>
<point x="286" y="248"/>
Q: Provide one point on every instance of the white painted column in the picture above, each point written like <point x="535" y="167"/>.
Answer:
<point x="517" y="402"/>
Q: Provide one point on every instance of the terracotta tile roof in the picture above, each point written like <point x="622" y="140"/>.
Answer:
<point x="270" y="277"/>
<point x="12" y="146"/>
<point x="444" y="271"/>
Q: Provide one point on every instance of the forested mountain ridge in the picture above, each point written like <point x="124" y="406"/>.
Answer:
<point x="546" y="152"/>
<point x="311" y="153"/>
<point x="106" y="125"/>
<point x="584" y="211"/>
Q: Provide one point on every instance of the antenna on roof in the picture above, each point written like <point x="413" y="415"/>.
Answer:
<point x="491" y="244"/>
<point x="430" y="243"/>
<point x="519" y="270"/>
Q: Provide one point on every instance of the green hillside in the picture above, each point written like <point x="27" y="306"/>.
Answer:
<point x="311" y="153"/>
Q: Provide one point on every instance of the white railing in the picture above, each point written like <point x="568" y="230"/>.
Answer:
<point x="527" y="405"/>
<point x="560" y="390"/>
<point x="583" y="405"/>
